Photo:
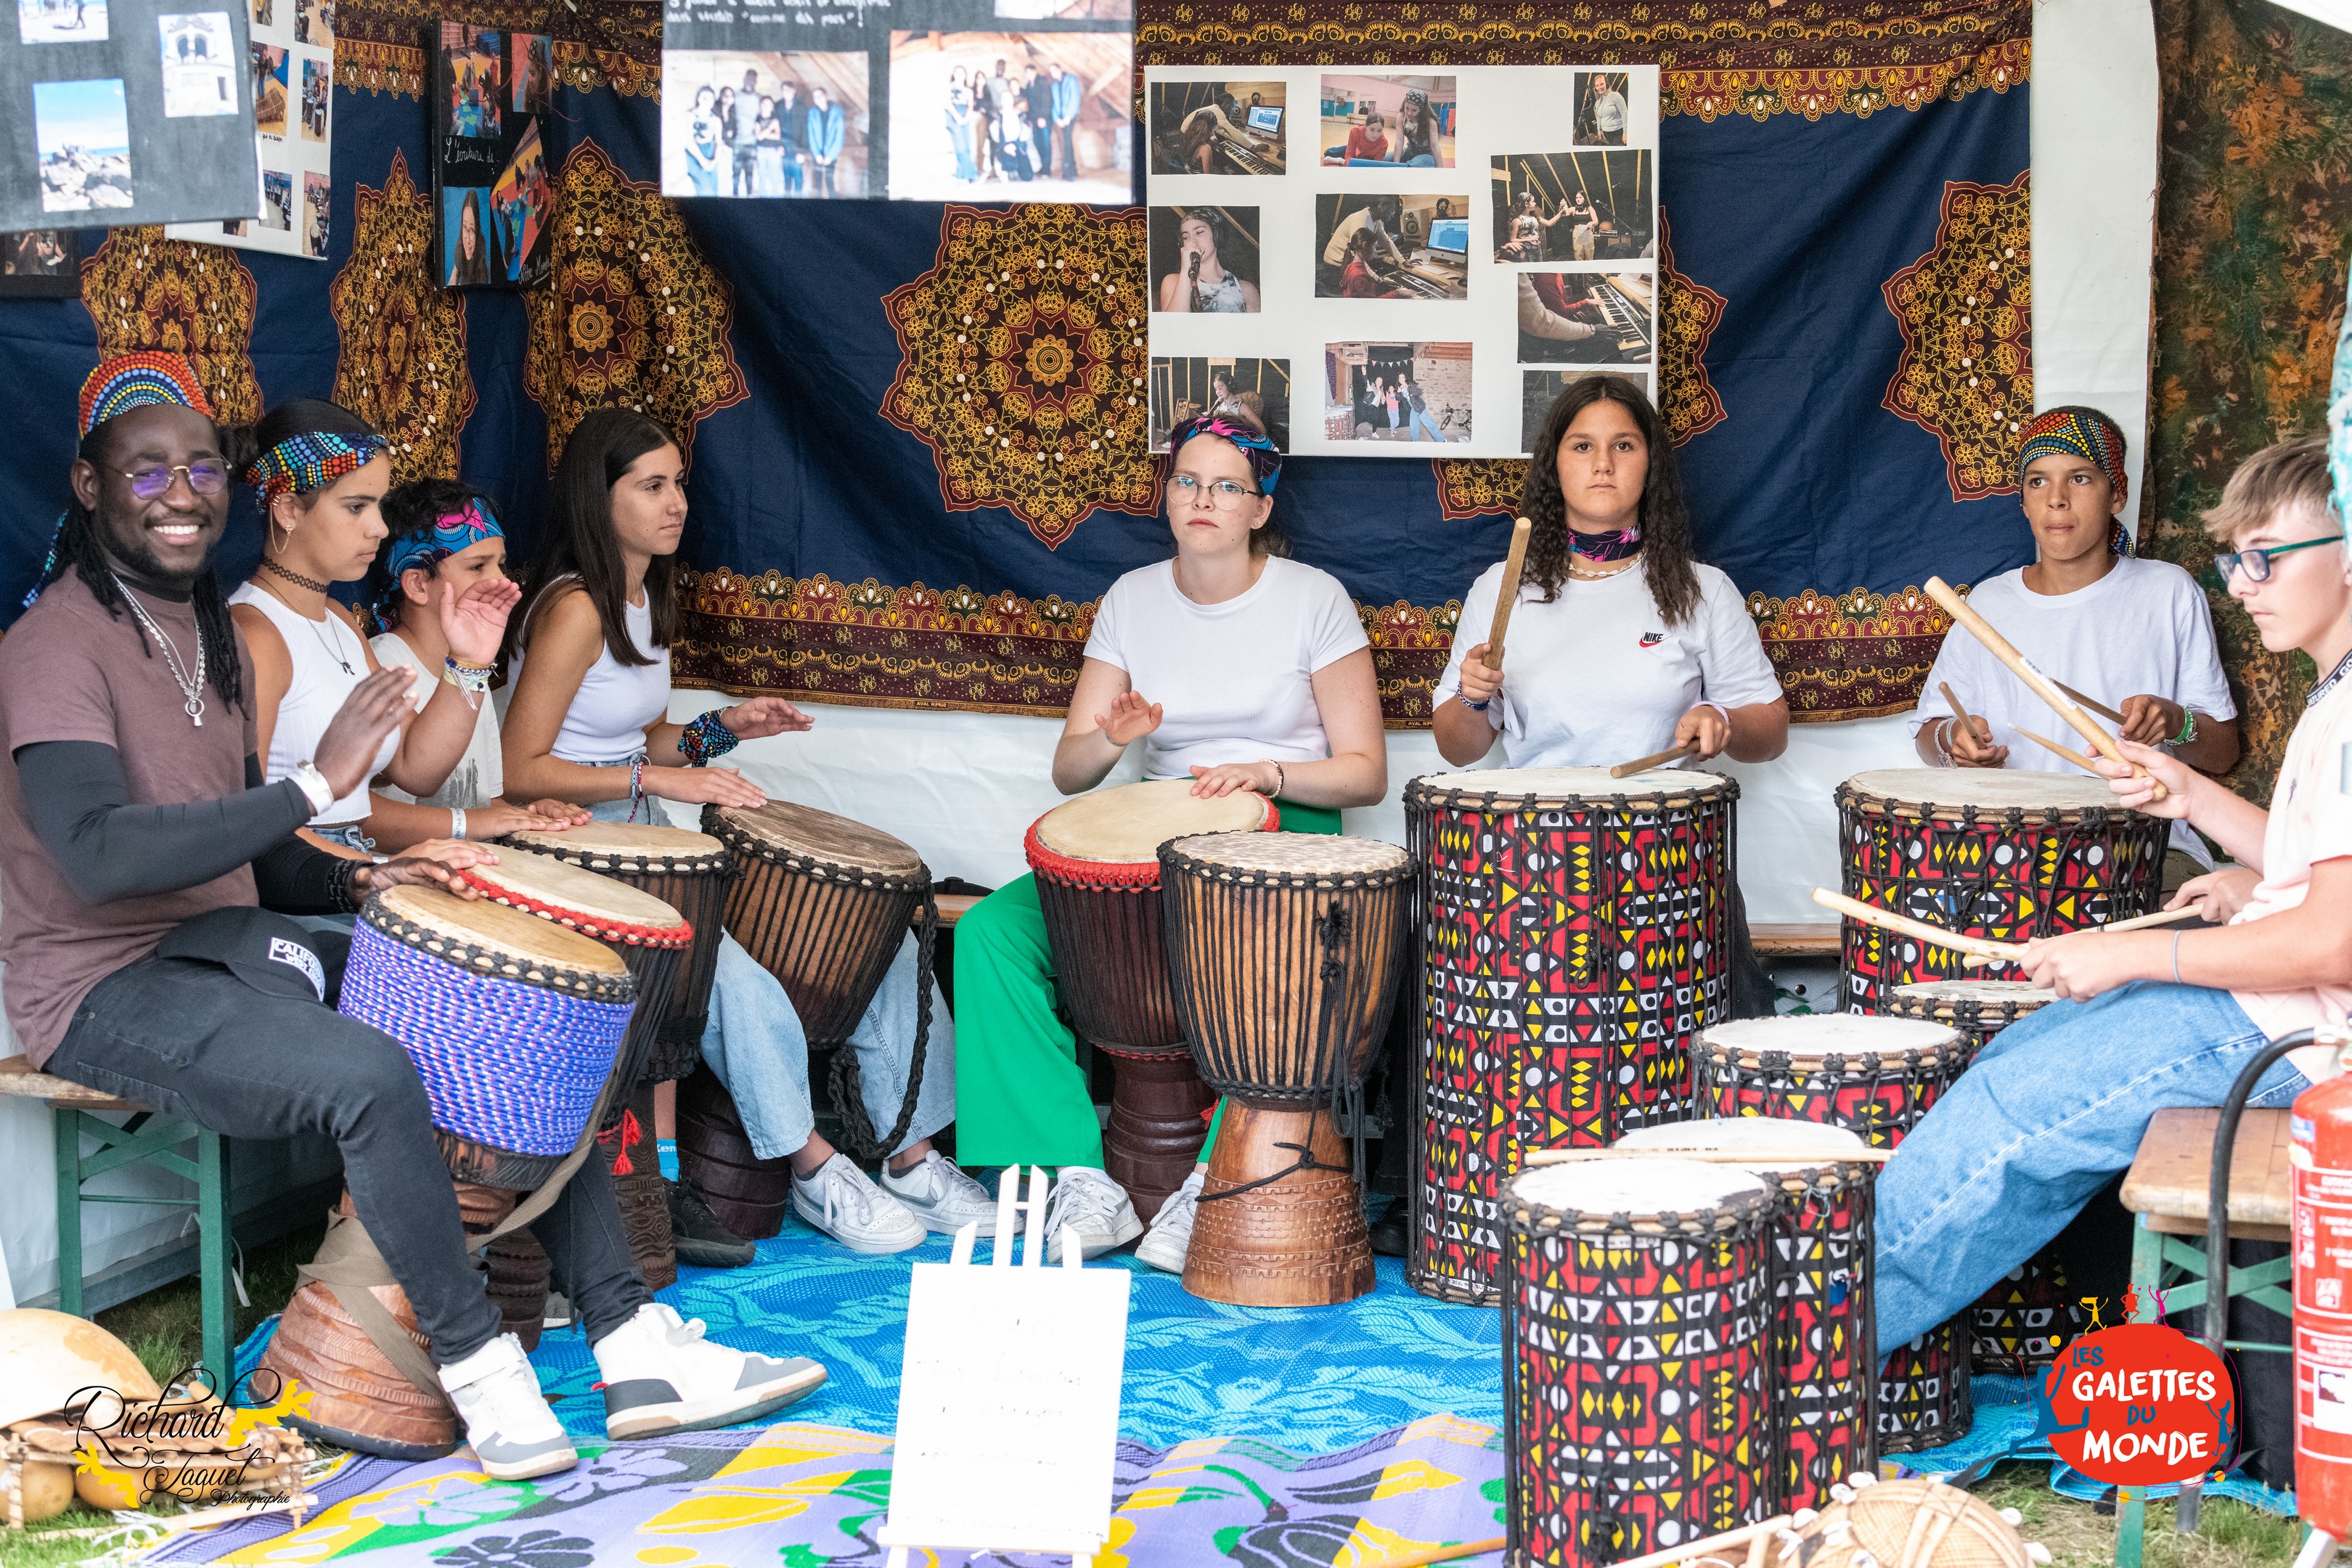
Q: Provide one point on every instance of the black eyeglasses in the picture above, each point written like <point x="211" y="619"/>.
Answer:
<point x="206" y="476"/>
<point x="1222" y="493"/>
<point x="2256" y="564"/>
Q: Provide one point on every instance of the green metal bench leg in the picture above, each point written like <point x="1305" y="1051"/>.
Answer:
<point x="212" y="1259"/>
<point x="2131" y="1513"/>
<point x="2147" y="1276"/>
<point x="66" y="1126"/>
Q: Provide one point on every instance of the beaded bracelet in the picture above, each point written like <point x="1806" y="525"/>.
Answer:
<point x="467" y="678"/>
<point x="1463" y="698"/>
<point x="338" y="883"/>
<point x="706" y="738"/>
<point x="637" y="783"/>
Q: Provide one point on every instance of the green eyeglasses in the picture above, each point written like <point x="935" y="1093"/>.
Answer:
<point x="2256" y="564"/>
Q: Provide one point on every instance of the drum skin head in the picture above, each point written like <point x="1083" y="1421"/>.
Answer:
<point x="1641" y="1188"/>
<point x="1763" y="1134"/>
<point x="483" y="924"/>
<point x="1295" y="854"/>
<point x="546" y="881"/>
<point x="805" y="832"/>
<point x="1816" y="1034"/>
<point x="1994" y="789"/>
<point x="623" y="841"/>
<point x="1983" y="992"/>
<point x="1577" y="784"/>
<point x="1128" y="823"/>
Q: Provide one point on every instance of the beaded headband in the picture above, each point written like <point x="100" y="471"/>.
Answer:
<point x="2087" y="434"/>
<point x="1265" y="461"/>
<point x="301" y="464"/>
<point x="144" y="380"/>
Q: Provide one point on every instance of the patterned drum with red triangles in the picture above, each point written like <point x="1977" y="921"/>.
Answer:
<point x="1576" y="930"/>
<point x="1987" y="852"/>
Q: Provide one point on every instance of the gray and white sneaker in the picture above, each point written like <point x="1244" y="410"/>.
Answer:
<point x="1172" y="1228"/>
<point x="514" y="1434"/>
<point x="1087" y="1206"/>
<point x="941" y="1197"/>
<point x="661" y="1375"/>
<point x="843" y="1202"/>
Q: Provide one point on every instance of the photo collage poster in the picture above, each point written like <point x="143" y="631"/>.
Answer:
<point x="1398" y="260"/>
<point x="291" y="73"/>
<point x="912" y="99"/>
<point x="119" y="111"/>
<point x="493" y="184"/>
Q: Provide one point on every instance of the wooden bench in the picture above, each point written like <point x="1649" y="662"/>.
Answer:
<point x="1800" y="939"/>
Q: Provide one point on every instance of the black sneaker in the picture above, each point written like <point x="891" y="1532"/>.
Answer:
<point x="1390" y="1237"/>
<point x="698" y="1233"/>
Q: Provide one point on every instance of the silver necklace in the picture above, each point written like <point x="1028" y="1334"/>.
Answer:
<point x="191" y="686"/>
<point x="314" y="625"/>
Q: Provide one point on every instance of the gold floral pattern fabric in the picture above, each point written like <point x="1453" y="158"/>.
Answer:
<point x="402" y="364"/>
<point x="598" y="43"/>
<point x="1966" y="313"/>
<point x="1022" y="363"/>
<point x="144" y="292"/>
<point x="1857" y="655"/>
<point x="1688" y="313"/>
<point x="1859" y="90"/>
<point x="633" y="314"/>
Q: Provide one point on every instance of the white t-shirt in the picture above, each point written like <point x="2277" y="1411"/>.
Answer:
<point x="1608" y="114"/>
<point x="479" y="776"/>
<point x="1233" y="680"/>
<point x="1597" y="676"/>
<point x="2311" y="821"/>
<point x="2142" y="630"/>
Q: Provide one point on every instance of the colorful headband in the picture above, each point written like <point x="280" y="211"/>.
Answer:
<point x="140" y="381"/>
<point x="301" y="464"/>
<point x="450" y="532"/>
<point x="1265" y="461"/>
<point x="2084" y="433"/>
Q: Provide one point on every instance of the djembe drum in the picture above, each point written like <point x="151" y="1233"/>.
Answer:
<point x="1985" y="852"/>
<point x="1876" y="1076"/>
<point x="1825" y="1337"/>
<point x="1096" y="861"/>
<point x="1284" y="950"/>
<point x="1637" y="1358"/>
<point x="2018" y="1325"/>
<point x="1577" y="930"/>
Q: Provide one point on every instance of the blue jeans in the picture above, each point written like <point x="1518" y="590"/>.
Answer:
<point x="1423" y="419"/>
<point x="2050" y="1108"/>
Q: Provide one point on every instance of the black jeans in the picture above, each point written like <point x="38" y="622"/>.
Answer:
<point x="192" y="1040"/>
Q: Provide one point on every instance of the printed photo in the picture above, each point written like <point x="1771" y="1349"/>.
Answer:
<point x="318" y="92"/>
<point x="1601" y="111"/>
<point x="530" y="68"/>
<point x="269" y="71"/>
<point x="314" y="23"/>
<point x="199" y="75"/>
<point x="1065" y="10"/>
<point x="736" y="123"/>
<point x="41" y="263"/>
<point x="476" y="80"/>
<point x="1205" y="259"/>
<point x="1413" y="247"/>
<point x="1218" y="127"/>
<point x="519" y="204"/>
<point x="277" y="200"/>
<point x="1388" y="121"/>
<point x="1042" y="116"/>
<point x="1396" y="392"/>
<point x="82" y="134"/>
<point x="471" y="255"/>
<point x="265" y="13"/>
<point x="1253" y="391"/>
<point x="1540" y="389"/>
<point x="61" y="21"/>
<point x="1586" y="318"/>
<point x="1573" y="207"/>
<point x="315" y="189"/>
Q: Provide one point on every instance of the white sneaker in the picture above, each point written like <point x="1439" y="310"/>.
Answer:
<point x="661" y="1375"/>
<point x="942" y="1198"/>
<point x="1088" y="1204"/>
<point x="1172" y="1228"/>
<point x="843" y="1202"/>
<point x="514" y="1434"/>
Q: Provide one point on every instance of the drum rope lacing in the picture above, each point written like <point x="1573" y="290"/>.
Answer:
<point x="848" y="1092"/>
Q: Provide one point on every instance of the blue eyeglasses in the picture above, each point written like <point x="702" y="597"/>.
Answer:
<point x="2256" y="564"/>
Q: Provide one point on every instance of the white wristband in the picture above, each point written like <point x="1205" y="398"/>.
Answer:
<point x="315" y="785"/>
<point x="456" y="823"/>
<point x="1718" y="707"/>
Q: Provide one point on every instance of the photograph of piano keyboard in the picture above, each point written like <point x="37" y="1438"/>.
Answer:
<point x="1586" y="318"/>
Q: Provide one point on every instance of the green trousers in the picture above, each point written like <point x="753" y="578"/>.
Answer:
<point x="1020" y="1096"/>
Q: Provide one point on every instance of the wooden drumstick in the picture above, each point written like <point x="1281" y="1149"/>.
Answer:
<point x="1439" y="1554"/>
<point x="2162" y="918"/>
<point x="1959" y="714"/>
<point x="2101" y="709"/>
<point x="1827" y="1154"/>
<point x="1655" y="760"/>
<point x="2069" y="752"/>
<point x="1739" y="1537"/>
<point x="1512" y="563"/>
<point x="1870" y="914"/>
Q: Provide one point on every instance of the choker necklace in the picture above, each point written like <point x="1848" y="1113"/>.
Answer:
<point x="2320" y="691"/>
<point x="295" y="577"/>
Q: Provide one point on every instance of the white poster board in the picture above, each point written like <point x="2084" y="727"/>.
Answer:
<point x="290" y="70"/>
<point x="1474" y="314"/>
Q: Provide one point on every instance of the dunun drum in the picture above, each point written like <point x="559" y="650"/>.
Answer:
<point x="1825" y="1339"/>
<point x="1985" y="852"/>
<point x="1284" y="950"/>
<point x="692" y="873"/>
<point x="1576" y="932"/>
<point x="1637" y="1376"/>
<point x="1876" y="1076"/>
<point x="2019" y="1325"/>
<point x="1096" y="861"/>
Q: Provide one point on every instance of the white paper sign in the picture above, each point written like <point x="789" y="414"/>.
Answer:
<point x="1008" y="1408"/>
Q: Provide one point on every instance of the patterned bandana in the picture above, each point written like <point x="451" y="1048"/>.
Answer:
<point x="2087" y="434"/>
<point x="303" y="463"/>
<point x="1606" y="546"/>
<point x="140" y="381"/>
<point x="450" y="532"/>
<point x="1265" y="462"/>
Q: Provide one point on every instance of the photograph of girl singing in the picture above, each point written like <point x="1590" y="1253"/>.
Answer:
<point x="1205" y="259"/>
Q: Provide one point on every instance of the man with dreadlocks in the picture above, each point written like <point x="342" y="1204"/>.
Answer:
<point x="138" y="836"/>
<point x="2131" y="632"/>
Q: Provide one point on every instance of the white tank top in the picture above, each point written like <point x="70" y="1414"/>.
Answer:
<point x="606" y="722"/>
<point x="319" y="650"/>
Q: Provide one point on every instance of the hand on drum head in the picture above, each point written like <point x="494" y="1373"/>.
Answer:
<point x="756" y="717"/>
<point x="474" y="621"/>
<point x="432" y="864"/>
<point x="1213" y="783"/>
<point x="2216" y="895"/>
<point x="1130" y="718"/>
<point x="703" y="786"/>
<point x="346" y="753"/>
<point x="2136" y="789"/>
<point x="499" y="819"/>
<point x="1706" y="728"/>
<point x="1480" y="684"/>
<point x="556" y="814"/>
<point x="1969" y="745"/>
<point x="2086" y="964"/>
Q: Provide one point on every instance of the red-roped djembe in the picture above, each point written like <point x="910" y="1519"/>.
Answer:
<point x="1825" y="1336"/>
<point x="2020" y="1324"/>
<point x="1996" y="853"/>
<point x="1876" y="1076"/>
<point x="1096" y="861"/>
<point x="1576" y="932"/>
<point x="1637" y="1358"/>
<point x="1285" y="951"/>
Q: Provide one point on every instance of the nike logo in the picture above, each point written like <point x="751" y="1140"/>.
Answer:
<point x="1651" y="640"/>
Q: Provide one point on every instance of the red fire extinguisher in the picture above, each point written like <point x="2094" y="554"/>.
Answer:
<point x="2320" y="1155"/>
